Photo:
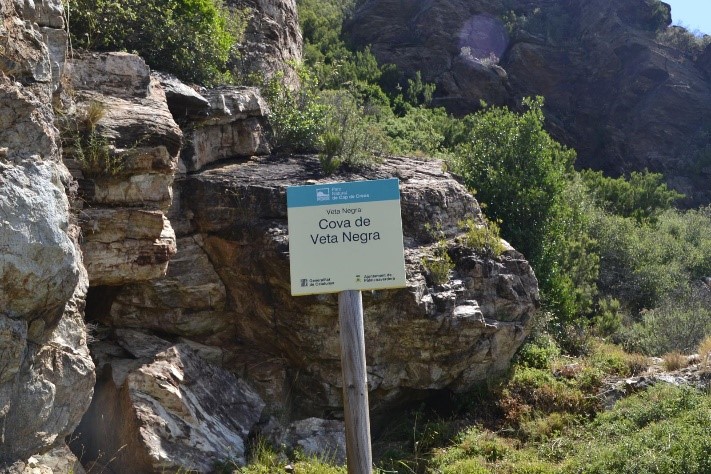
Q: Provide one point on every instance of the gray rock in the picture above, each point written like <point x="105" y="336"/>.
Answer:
<point x="183" y="101"/>
<point x="423" y="337"/>
<point x="272" y="40"/>
<point x="172" y="412"/>
<point x="313" y="437"/>
<point x="234" y="126"/>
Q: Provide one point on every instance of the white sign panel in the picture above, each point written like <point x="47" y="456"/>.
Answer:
<point x="345" y="236"/>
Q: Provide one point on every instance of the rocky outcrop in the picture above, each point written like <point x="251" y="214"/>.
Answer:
<point x="46" y="373"/>
<point x="165" y="409"/>
<point x="272" y="40"/>
<point x="231" y="124"/>
<point x="613" y="91"/>
<point x="122" y="144"/>
<point x="312" y="437"/>
<point x="423" y="337"/>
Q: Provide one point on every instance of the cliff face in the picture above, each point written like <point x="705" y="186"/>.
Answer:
<point x="46" y="374"/>
<point x="613" y="91"/>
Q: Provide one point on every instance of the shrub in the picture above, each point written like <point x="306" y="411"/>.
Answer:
<point x="704" y="351"/>
<point x="297" y="117"/>
<point x="680" y="323"/>
<point x="674" y="361"/>
<point x="192" y="39"/>
<point x="642" y="195"/>
<point x="523" y="176"/>
<point x="646" y="263"/>
<point x="440" y="265"/>
<point x="350" y="137"/>
<point x="83" y="142"/>
<point x="484" y="237"/>
<point x="538" y="353"/>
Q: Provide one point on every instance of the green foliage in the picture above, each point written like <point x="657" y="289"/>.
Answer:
<point x="644" y="263"/>
<point x="484" y="238"/>
<point x="662" y="430"/>
<point x="523" y="175"/>
<point x="350" y="137"/>
<point x="642" y="196"/>
<point x="423" y="132"/>
<point x="679" y="323"/>
<point x="537" y="353"/>
<point x="440" y="265"/>
<point x="297" y="117"/>
<point x="192" y="39"/>
<point x="517" y="169"/>
<point x="83" y="142"/>
<point x="265" y="460"/>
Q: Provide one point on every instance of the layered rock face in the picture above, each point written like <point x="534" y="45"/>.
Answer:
<point x="228" y="290"/>
<point x="123" y="147"/>
<point x="46" y="373"/>
<point x="613" y="92"/>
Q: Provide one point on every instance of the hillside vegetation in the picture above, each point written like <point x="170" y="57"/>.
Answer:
<point x="623" y="273"/>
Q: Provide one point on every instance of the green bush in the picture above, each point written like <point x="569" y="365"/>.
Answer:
<point x="192" y="39"/>
<point x="483" y="238"/>
<point x="680" y="323"/>
<point x="642" y="195"/>
<point x="644" y="263"/>
<point x="350" y="137"/>
<point x="297" y="117"/>
<point x="523" y="177"/>
<point x="538" y="353"/>
<point x="663" y="430"/>
<point x="439" y="267"/>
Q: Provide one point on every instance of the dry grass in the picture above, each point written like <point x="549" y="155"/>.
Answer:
<point x="704" y="352"/>
<point x="674" y="361"/>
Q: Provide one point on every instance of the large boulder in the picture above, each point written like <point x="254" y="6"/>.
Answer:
<point x="165" y="409"/>
<point x="230" y="291"/>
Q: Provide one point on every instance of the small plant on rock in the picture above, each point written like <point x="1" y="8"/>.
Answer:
<point x="87" y="146"/>
<point x="440" y="265"/>
<point x="483" y="237"/>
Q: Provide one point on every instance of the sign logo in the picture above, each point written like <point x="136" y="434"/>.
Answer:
<point x="323" y="194"/>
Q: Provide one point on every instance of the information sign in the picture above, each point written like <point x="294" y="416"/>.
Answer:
<point x="345" y="236"/>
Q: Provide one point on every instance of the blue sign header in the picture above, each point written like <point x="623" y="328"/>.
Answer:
<point x="342" y="193"/>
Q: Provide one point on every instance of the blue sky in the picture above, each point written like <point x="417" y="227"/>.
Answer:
<point x="693" y="14"/>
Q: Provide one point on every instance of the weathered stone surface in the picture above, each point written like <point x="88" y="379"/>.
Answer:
<point x="422" y="337"/>
<point x="136" y="125"/>
<point x="52" y="387"/>
<point x="39" y="264"/>
<point x="173" y="411"/>
<point x="234" y="126"/>
<point x="126" y="245"/>
<point x="191" y="299"/>
<point x="613" y="92"/>
<point x="325" y="439"/>
<point x="26" y="123"/>
<point x="46" y="373"/>
<point x="183" y="100"/>
<point x="272" y="40"/>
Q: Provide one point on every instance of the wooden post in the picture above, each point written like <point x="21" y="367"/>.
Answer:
<point x="355" y="382"/>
